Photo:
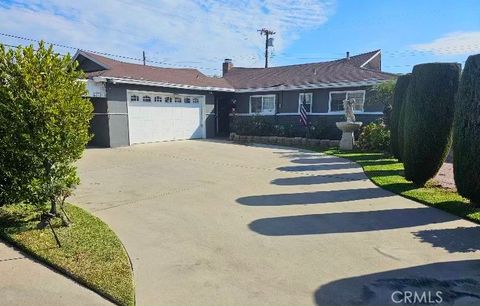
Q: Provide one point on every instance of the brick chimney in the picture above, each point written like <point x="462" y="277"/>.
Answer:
<point x="227" y="65"/>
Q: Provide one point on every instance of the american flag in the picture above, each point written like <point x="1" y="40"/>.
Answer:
<point x="303" y="113"/>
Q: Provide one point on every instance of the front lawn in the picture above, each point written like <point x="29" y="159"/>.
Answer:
<point x="386" y="172"/>
<point x="91" y="253"/>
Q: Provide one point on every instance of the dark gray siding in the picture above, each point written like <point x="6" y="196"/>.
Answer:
<point x="287" y="101"/>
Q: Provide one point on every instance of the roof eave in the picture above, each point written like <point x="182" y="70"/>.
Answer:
<point x="161" y="84"/>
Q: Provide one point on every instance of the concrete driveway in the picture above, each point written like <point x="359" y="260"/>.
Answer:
<point x="213" y="223"/>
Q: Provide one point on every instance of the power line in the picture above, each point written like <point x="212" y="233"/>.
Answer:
<point x="268" y="42"/>
<point x="105" y="53"/>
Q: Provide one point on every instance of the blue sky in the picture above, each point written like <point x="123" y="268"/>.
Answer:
<point x="201" y="33"/>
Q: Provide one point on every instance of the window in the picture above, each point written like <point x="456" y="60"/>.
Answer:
<point x="168" y="99"/>
<point x="178" y="100"/>
<point x="187" y="100"/>
<point x="306" y="98"/>
<point x="337" y="97"/>
<point x="158" y="99"/>
<point x="134" y="98"/>
<point x="195" y="100"/>
<point x="262" y="104"/>
<point x="146" y="99"/>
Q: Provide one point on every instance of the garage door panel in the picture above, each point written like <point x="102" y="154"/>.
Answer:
<point x="153" y="121"/>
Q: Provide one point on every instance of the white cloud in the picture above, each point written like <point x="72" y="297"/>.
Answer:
<point x="456" y="43"/>
<point x="189" y="32"/>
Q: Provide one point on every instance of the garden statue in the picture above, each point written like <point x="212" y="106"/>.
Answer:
<point x="348" y="127"/>
<point x="348" y="107"/>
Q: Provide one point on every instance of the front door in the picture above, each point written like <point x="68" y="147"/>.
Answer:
<point x="223" y="118"/>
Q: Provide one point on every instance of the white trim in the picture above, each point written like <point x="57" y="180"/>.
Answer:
<point x="312" y="86"/>
<point x="313" y="114"/>
<point x="98" y="114"/>
<point x="80" y="52"/>
<point x="262" y="96"/>
<point x="161" y="84"/>
<point x="370" y="59"/>
<point x="242" y="90"/>
<point x="346" y="93"/>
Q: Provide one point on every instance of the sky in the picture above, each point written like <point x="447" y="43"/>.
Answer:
<point x="201" y="33"/>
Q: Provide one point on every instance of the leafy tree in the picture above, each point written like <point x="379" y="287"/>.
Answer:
<point x="382" y="94"/>
<point x="429" y="111"/>
<point x="44" y="123"/>
<point x="396" y="125"/>
<point x="466" y="132"/>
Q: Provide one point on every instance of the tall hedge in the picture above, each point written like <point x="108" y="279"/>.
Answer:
<point x="396" y="125"/>
<point x="429" y="112"/>
<point x="466" y="141"/>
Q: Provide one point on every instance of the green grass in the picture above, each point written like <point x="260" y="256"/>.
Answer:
<point x="387" y="172"/>
<point x="91" y="253"/>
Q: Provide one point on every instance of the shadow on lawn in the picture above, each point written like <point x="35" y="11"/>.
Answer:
<point x="348" y="222"/>
<point x="454" y="240"/>
<point x="317" y="197"/>
<point x="458" y="282"/>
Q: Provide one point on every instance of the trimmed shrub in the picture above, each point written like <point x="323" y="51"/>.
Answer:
<point x="429" y="112"/>
<point x="375" y="136"/>
<point x="466" y="134"/>
<point x="396" y="126"/>
<point x="44" y="122"/>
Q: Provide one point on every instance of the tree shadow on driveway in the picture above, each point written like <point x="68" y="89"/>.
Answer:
<point x="454" y="240"/>
<point x="319" y="179"/>
<point x="348" y="222"/>
<point x="317" y="197"/>
<point x="320" y="160"/>
<point x="319" y="167"/>
<point x="457" y="281"/>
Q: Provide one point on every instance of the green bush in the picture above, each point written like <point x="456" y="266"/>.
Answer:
<point x="267" y="126"/>
<point x="382" y="94"/>
<point x="466" y="133"/>
<point x="375" y="136"/>
<point x="396" y="126"/>
<point x="44" y="122"/>
<point x="429" y="111"/>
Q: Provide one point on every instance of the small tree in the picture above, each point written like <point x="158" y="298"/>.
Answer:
<point x="396" y="125"/>
<point x="466" y="133"/>
<point x="44" y="123"/>
<point x="382" y="94"/>
<point x="429" y="111"/>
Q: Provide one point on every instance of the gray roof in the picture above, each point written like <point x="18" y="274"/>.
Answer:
<point x="342" y="72"/>
<point x="339" y="73"/>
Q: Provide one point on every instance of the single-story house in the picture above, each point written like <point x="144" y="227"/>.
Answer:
<point x="136" y="103"/>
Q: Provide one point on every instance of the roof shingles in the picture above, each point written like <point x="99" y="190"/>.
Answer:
<point x="343" y="71"/>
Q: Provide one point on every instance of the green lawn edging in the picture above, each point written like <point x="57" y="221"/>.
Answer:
<point x="91" y="253"/>
<point x="387" y="173"/>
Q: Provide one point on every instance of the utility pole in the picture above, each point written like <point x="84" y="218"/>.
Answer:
<point x="144" y="58"/>
<point x="268" y="42"/>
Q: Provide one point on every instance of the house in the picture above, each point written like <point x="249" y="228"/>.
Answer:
<point x="136" y="103"/>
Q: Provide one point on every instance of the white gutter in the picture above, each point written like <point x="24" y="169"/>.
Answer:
<point x="369" y="60"/>
<point x="242" y="90"/>
<point x="313" y="86"/>
<point x="160" y="84"/>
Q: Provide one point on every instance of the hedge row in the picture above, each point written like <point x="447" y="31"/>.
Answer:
<point x="466" y="144"/>
<point x="429" y="112"/>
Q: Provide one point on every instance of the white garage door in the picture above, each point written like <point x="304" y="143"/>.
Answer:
<point x="163" y="116"/>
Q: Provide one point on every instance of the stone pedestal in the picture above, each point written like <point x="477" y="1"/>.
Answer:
<point x="348" y="139"/>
